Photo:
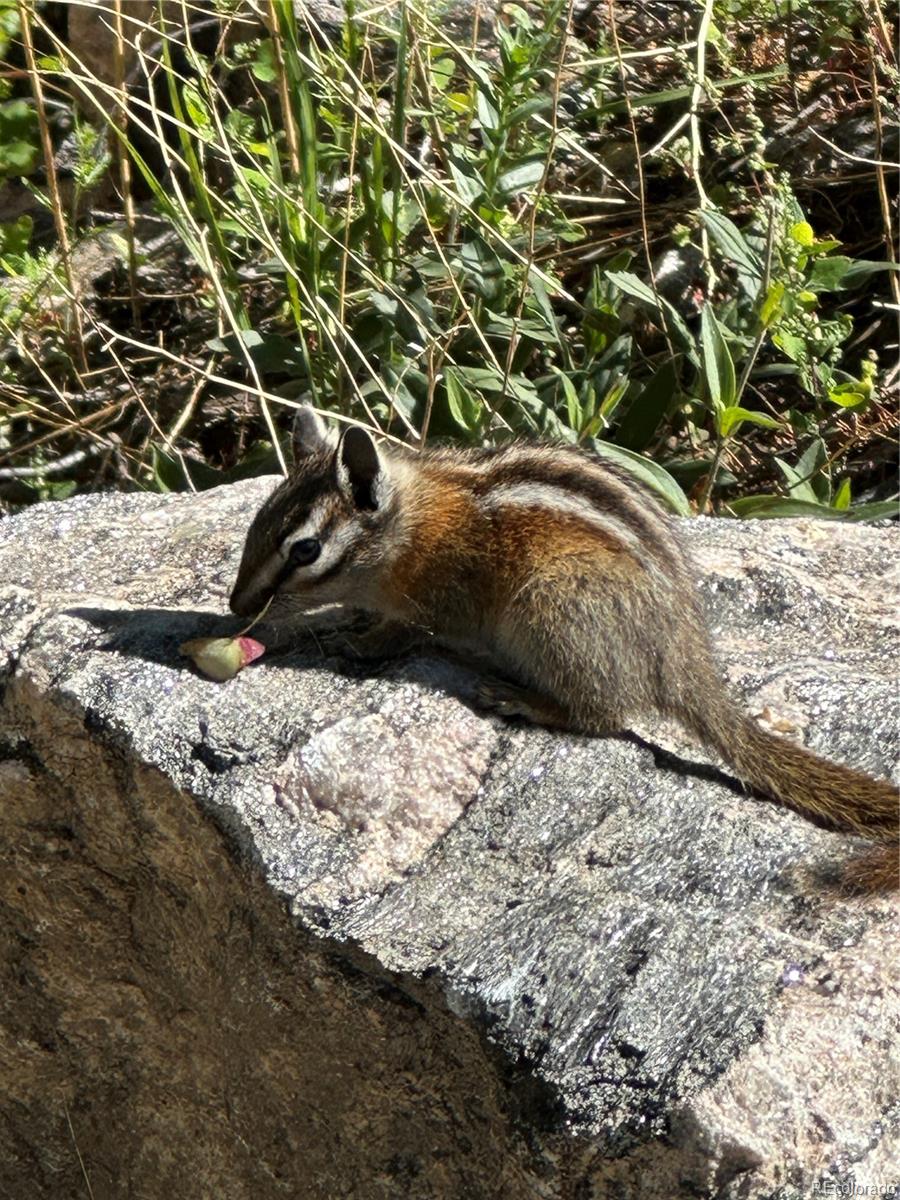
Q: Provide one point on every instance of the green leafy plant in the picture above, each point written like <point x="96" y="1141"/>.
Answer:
<point x="449" y="234"/>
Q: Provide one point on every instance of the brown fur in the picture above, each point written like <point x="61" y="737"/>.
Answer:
<point x="572" y="578"/>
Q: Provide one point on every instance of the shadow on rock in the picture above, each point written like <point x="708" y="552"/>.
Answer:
<point x="156" y="635"/>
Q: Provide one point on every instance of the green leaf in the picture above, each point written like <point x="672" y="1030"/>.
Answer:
<point x="459" y="103"/>
<point x="841" y="499"/>
<point x="628" y="283"/>
<point x="481" y="266"/>
<point x="270" y="353"/>
<point x="690" y="473"/>
<point x="647" y="472"/>
<point x="18" y="138"/>
<point x="408" y="212"/>
<point x="534" y="415"/>
<point x="794" y="347"/>
<point x="469" y="184"/>
<point x="51" y="489"/>
<point x="646" y="411"/>
<point x="766" y="507"/>
<point x="848" y="395"/>
<point x="599" y="326"/>
<point x="614" y="394"/>
<point x="465" y="408"/>
<point x="573" y="404"/>
<point x="771" y="306"/>
<point x="684" y="93"/>
<point x="878" y="510"/>
<point x="15" y="237"/>
<point x="729" y="419"/>
<point x="731" y="242"/>
<point x="488" y="379"/>
<point x="812" y="465"/>
<point x="405" y="388"/>
<point x="528" y="109"/>
<point x="828" y="273"/>
<point x="503" y="326"/>
<point x="242" y="127"/>
<point x="171" y="473"/>
<point x="442" y="73"/>
<point x="263" y="66"/>
<point x="798" y="482"/>
<point x="480" y="72"/>
<point x="861" y="269"/>
<point x="519" y="178"/>
<point x="802" y="233"/>
<point x="487" y="111"/>
<point x="542" y="300"/>
<point x="718" y="368"/>
<point x="195" y="107"/>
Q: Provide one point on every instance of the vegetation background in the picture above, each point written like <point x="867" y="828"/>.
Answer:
<point x="664" y="231"/>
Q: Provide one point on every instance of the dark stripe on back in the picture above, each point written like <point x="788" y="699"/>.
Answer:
<point x="607" y="489"/>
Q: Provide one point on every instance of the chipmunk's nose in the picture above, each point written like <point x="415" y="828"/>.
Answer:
<point x="246" y="602"/>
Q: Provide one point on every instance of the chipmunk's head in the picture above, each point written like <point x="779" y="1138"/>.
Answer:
<point x="316" y="538"/>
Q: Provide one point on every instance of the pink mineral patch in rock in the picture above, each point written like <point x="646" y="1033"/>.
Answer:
<point x="396" y="780"/>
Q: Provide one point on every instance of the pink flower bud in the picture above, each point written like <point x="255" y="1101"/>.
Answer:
<point x="222" y="658"/>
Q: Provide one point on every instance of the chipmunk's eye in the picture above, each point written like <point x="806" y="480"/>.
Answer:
<point x="304" y="551"/>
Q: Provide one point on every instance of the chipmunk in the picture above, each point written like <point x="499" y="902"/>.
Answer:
<point x="563" y="568"/>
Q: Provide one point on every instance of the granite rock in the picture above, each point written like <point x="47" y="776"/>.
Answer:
<point x="324" y="930"/>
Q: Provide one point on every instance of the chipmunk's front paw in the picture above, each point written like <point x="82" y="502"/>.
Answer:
<point x="380" y="641"/>
<point x="510" y="701"/>
<point x="504" y="699"/>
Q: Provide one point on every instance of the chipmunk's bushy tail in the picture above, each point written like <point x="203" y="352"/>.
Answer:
<point x="827" y="792"/>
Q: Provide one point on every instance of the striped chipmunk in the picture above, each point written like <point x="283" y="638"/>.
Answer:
<point x="563" y="570"/>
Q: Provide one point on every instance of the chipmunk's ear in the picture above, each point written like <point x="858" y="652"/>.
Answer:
<point x="361" y="472"/>
<point x="309" y="433"/>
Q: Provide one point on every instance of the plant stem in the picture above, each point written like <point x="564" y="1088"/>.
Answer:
<point x="763" y="289"/>
<point x="696" y="148"/>
<point x="25" y="16"/>
<point x="642" y="190"/>
<point x="883" y="198"/>
<point x="124" y="161"/>
<point x="748" y="365"/>
<point x="538" y="193"/>
<point x="284" y="96"/>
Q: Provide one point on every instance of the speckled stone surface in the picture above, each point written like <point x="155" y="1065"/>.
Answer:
<point x="626" y="966"/>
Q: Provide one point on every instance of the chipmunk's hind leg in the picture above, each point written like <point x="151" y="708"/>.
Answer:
<point x="580" y="655"/>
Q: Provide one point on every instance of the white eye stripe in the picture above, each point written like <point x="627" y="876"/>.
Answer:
<point x="312" y="527"/>
<point x="333" y="549"/>
<point x="339" y="540"/>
